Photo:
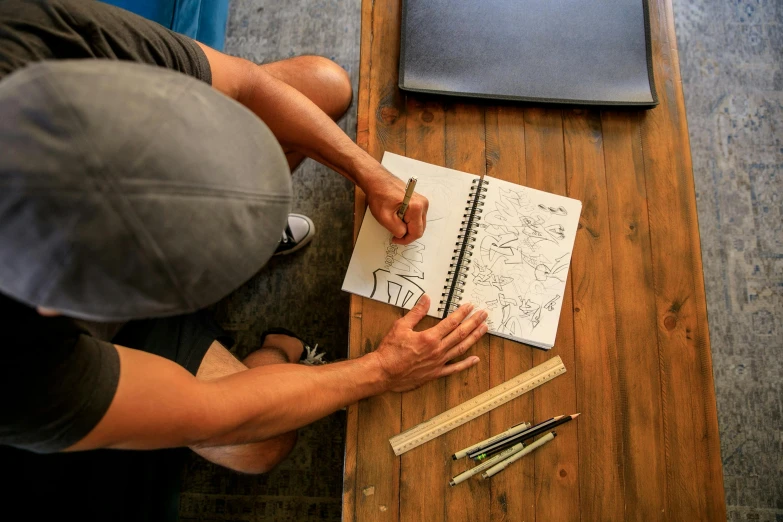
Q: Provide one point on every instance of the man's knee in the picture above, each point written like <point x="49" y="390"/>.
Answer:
<point x="320" y="79"/>
<point x="337" y="81"/>
<point x="255" y="458"/>
<point x="277" y="349"/>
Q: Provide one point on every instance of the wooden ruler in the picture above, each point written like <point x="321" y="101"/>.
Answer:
<point x="469" y="410"/>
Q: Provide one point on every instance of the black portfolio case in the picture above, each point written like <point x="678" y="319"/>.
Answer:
<point x="585" y="52"/>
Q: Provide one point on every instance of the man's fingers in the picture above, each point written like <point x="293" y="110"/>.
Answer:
<point x="452" y="321"/>
<point x="397" y="228"/>
<point x="460" y="332"/>
<point x="415" y="223"/>
<point x="417" y="313"/>
<point x="458" y="366"/>
<point x="469" y="340"/>
<point x="416" y="228"/>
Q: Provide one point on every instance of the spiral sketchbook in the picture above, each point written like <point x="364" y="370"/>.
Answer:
<point x="504" y="247"/>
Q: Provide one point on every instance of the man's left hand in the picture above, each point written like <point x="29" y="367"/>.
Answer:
<point x="384" y="198"/>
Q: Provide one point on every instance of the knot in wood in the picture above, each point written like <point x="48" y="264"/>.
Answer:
<point x="389" y="115"/>
<point x="670" y="322"/>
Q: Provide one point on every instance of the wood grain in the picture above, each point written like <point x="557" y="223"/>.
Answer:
<point x="556" y="467"/>
<point x="633" y="328"/>
<point x="426" y="464"/>
<point x="636" y="334"/>
<point x="690" y="420"/>
<point x="465" y="152"/>
<point x="600" y="391"/>
<point x="376" y="483"/>
<point x="512" y="492"/>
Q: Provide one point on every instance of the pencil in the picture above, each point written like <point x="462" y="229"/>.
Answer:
<point x="408" y="195"/>
<point x="519" y="428"/>
<point x="529" y="433"/>
<point x="521" y="437"/>
<point x="497" y="468"/>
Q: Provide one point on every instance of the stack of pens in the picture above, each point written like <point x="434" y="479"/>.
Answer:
<point x="496" y="453"/>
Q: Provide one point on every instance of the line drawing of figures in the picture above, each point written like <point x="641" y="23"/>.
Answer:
<point x="505" y="305"/>
<point x="559" y="211"/>
<point x="394" y="289"/>
<point x="550" y="305"/>
<point x="520" y="254"/>
<point x="485" y="277"/>
<point x="403" y="260"/>
<point x="557" y="271"/>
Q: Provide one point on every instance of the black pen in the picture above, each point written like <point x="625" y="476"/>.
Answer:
<point x="521" y="437"/>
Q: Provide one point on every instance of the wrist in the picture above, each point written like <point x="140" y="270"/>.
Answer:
<point x="378" y="378"/>
<point x="369" y="174"/>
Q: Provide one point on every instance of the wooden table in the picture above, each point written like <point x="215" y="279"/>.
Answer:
<point x="633" y="331"/>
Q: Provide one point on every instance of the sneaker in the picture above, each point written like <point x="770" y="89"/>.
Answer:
<point x="298" y="232"/>
<point x="310" y="356"/>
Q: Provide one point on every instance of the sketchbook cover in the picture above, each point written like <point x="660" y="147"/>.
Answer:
<point x="560" y="51"/>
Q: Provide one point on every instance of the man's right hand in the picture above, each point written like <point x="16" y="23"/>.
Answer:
<point x="409" y="358"/>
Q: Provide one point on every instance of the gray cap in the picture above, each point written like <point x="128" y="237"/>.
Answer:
<point x="131" y="191"/>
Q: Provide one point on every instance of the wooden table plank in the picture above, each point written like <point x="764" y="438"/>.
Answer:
<point x="512" y="493"/>
<point x="556" y="467"/>
<point x="599" y="391"/>
<point x="637" y="345"/>
<point x="632" y="334"/>
<point x="695" y="491"/>
<point x="376" y="483"/>
<point x="465" y="151"/>
<point x="426" y="464"/>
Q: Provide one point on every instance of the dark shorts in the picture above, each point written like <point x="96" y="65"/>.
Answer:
<point x="183" y="339"/>
<point x="114" y="485"/>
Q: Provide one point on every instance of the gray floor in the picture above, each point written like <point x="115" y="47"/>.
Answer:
<point x="731" y="63"/>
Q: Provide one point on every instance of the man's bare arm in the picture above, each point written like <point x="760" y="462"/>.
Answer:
<point x="159" y="404"/>
<point x="300" y="125"/>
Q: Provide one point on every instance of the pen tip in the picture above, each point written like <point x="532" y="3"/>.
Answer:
<point x="454" y="457"/>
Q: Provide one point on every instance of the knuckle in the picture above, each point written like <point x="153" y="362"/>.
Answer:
<point x="463" y="333"/>
<point x="430" y="338"/>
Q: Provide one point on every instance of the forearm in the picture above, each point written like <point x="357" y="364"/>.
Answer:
<point x="272" y="400"/>
<point x="158" y="404"/>
<point x="300" y="125"/>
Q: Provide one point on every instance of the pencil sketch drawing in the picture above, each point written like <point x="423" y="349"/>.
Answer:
<point x="522" y="261"/>
<point x="394" y="283"/>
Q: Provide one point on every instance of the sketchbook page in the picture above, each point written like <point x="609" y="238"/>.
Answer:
<point x="520" y="263"/>
<point x="400" y="274"/>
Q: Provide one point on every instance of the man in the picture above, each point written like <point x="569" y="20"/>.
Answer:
<point x="129" y="191"/>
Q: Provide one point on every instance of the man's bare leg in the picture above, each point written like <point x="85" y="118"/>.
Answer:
<point x="320" y="79"/>
<point x="257" y="457"/>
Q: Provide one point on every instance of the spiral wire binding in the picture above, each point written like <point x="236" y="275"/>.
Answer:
<point x="463" y="253"/>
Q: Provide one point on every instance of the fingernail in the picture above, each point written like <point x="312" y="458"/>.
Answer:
<point x="484" y="329"/>
<point x="484" y="314"/>
<point x="476" y="360"/>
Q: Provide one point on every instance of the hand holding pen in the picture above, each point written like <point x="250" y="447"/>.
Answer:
<point x="386" y="200"/>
